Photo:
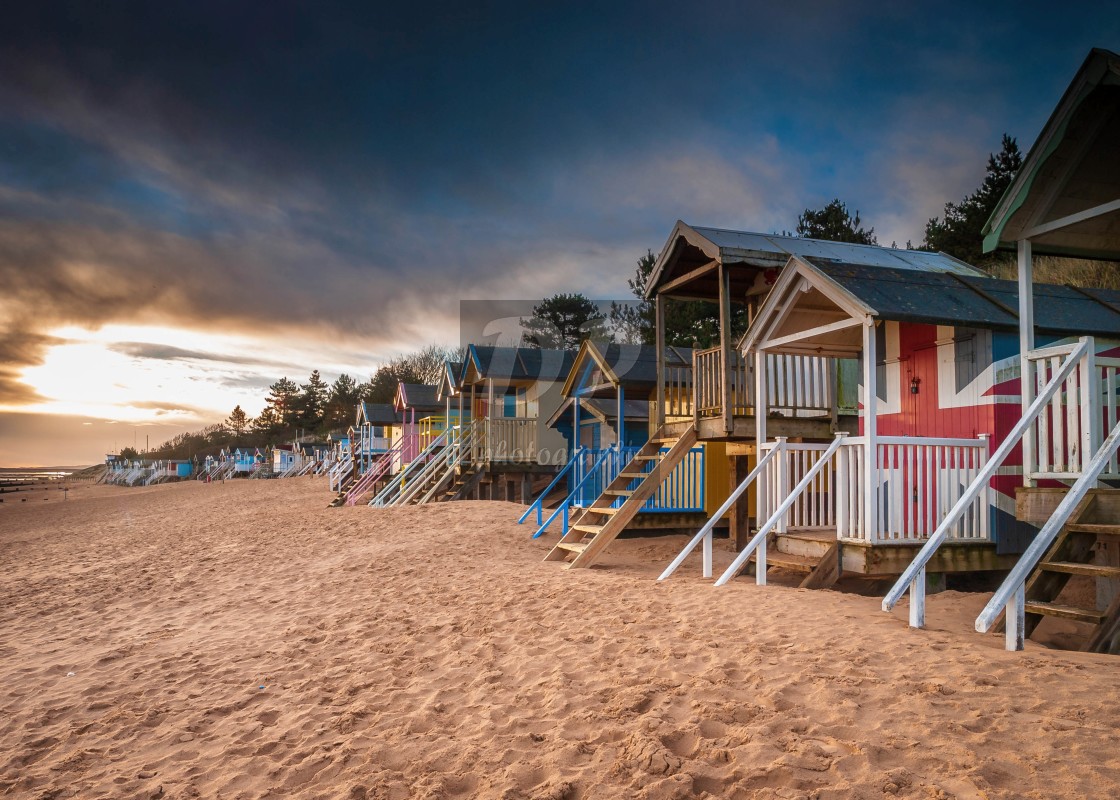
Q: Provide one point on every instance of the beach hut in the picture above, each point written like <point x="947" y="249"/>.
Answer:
<point x="938" y="356"/>
<point x="342" y="459"/>
<point x="508" y="395"/>
<point x="376" y="429"/>
<point x="608" y="396"/>
<point x="806" y="397"/>
<point x="419" y="408"/>
<point x="246" y="459"/>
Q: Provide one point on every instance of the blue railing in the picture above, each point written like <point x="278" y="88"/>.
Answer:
<point x="538" y="504"/>
<point x="566" y="504"/>
<point x="681" y="491"/>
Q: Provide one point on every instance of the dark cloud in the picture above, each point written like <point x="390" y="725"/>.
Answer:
<point x="352" y="171"/>
<point x="166" y="352"/>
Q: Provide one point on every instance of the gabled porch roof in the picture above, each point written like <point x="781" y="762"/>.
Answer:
<point x="688" y="264"/>
<point x="449" y="384"/>
<point x="601" y="367"/>
<point x="817" y="306"/>
<point x="1066" y="197"/>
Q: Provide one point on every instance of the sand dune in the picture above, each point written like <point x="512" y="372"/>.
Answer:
<point x="241" y="640"/>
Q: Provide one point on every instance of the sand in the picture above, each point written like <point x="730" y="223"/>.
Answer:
<point x="241" y="640"/>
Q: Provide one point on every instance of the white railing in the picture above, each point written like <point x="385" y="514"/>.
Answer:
<point x="757" y="545"/>
<point x="1068" y="429"/>
<point x="794" y="383"/>
<point x="340" y="473"/>
<point x="913" y="578"/>
<point x="813" y="508"/>
<point x="705" y="533"/>
<point x="918" y="480"/>
<point x="399" y="483"/>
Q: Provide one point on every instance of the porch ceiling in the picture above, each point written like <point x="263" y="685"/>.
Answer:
<point x="1072" y="169"/>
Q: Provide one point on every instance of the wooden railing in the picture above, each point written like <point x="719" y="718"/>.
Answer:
<point x="508" y="439"/>
<point x="708" y="380"/>
<point x="913" y="578"/>
<point x="918" y="480"/>
<point x="678" y="392"/>
<point x="795" y="384"/>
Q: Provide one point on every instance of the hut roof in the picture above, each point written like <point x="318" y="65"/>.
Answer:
<point x="1066" y="196"/>
<point x="517" y="364"/>
<point x="691" y="253"/>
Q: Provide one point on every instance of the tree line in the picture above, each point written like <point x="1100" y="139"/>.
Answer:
<point x="310" y="409"/>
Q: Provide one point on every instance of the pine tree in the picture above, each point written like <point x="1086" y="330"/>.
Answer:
<point x="958" y="232"/>
<point x="312" y="401"/>
<point x="563" y="321"/>
<point x="342" y="399"/>
<point x="833" y="223"/>
<point x="635" y="323"/>
<point x="237" y="422"/>
<point x="282" y="401"/>
<point x="268" y="423"/>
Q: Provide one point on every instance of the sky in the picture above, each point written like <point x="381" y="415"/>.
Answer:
<point x="197" y="199"/>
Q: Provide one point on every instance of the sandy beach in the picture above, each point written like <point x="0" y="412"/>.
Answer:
<point x="241" y="640"/>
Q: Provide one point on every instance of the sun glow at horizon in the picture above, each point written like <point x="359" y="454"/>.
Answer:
<point x="141" y="374"/>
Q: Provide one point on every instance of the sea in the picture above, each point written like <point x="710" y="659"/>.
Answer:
<point x="15" y="477"/>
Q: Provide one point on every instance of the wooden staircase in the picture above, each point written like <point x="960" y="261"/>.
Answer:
<point x="1073" y="553"/>
<point x="464" y="481"/>
<point x="600" y="523"/>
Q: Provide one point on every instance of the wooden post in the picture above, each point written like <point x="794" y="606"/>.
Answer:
<point x="1026" y="345"/>
<point x="871" y="448"/>
<point x="918" y="600"/>
<point x="489" y="455"/>
<point x="620" y="432"/>
<point x="659" y="343"/>
<point x="1015" y="622"/>
<point x="725" y="347"/>
<point x="740" y="519"/>
<point x="474" y="430"/>
<point x="575" y="425"/>
<point x="1091" y="406"/>
<point x="760" y="411"/>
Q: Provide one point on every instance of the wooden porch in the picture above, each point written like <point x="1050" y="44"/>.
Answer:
<point x="802" y="549"/>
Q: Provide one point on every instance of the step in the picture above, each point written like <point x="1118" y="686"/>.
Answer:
<point x="1076" y="568"/>
<point x="602" y="510"/>
<point x="575" y="547"/>
<point x="1065" y="612"/>
<point x="670" y="440"/>
<point x="804" y="564"/>
<point x="588" y="528"/>
<point x="619" y="492"/>
<point x="654" y="457"/>
<point x="632" y="474"/>
<point x="1096" y="528"/>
